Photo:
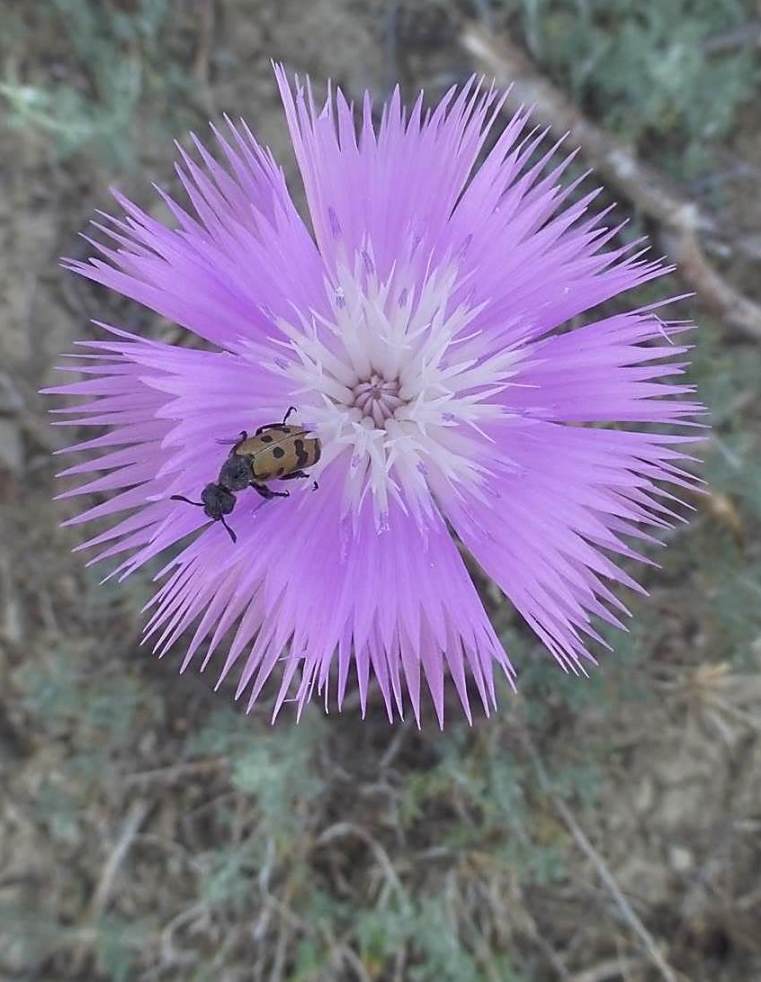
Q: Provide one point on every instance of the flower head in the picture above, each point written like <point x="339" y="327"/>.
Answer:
<point x="424" y="332"/>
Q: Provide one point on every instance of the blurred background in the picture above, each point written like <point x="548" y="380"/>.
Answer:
<point x="600" y="830"/>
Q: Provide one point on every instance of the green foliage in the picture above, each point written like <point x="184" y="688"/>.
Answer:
<point x="227" y="875"/>
<point x="58" y="809"/>
<point x="725" y="378"/>
<point x="430" y="930"/>
<point x="642" y="68"/>
<point x="224" y="733"/>
<point x="274" y="767"/>
<point x="437" y="938"/>
<point x="64" y="696"/>
<point x="730" y="584"/>
<point x="112" y="76"/>
<point x="32" y="934"/>
<point x="310" y="958"/>
<point x="278" y="770"/>
<point x="117" y="947"/>
<point x="734" y="612"/>
<point x="382" y="931"/>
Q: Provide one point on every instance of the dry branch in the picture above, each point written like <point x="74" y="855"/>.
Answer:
<point x="612" y="968"/>
<point x="100" y="898"/>
<point x="602" y="869"/>
<point x="679" y="219"/>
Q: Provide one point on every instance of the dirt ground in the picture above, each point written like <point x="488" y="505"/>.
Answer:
<point x="599" y="831"/>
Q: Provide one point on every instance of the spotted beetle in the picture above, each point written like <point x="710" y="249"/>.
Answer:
<point x="276" y="452"/>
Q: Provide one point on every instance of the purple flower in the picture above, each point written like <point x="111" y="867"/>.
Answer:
<point x="425" y="333"/>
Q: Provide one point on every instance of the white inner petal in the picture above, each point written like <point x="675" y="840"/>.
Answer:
<point x="393" y="382"/>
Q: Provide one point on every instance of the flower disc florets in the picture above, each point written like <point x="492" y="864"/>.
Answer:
<point x="399" y="381"/>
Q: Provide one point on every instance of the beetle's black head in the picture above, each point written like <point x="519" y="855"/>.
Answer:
<point x="218" y="500"/>
<point x="235" y="474"/>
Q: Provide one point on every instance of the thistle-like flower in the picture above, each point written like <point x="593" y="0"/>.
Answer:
<point x="427" y="332"/>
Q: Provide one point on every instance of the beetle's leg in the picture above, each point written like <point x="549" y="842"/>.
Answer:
<point x="230" y="532"/>
<point x="268" y="493"/>
<point x="291" y="409"/>
<point x="181" y="497"/>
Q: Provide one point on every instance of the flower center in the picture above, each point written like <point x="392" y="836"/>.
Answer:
<point x="377" y="398"/>
<point x="398" y="381"/>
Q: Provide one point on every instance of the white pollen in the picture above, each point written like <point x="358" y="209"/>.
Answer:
<point x="398" y="382"/>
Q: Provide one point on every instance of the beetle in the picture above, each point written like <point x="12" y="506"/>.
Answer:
<point x="276" y="452"/>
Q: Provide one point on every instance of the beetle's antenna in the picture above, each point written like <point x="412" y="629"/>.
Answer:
<point x="291" y="409"/>
<point x="181" y="497"/>
<point x="230" y="532"/>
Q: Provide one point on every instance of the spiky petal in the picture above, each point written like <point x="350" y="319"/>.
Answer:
<point x="425" y="333"/>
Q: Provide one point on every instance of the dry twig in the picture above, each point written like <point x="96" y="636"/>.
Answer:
<point x="736" y="38"/>
<point x="100" y="898"/>
<point x="679" y="219"/>
<point x="135" y="817"/>
<point x="606" y="970"/>
<point x="202" y="59"/>
<point x="601" y="867"/>
<point x="176" y="772"/>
